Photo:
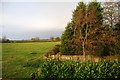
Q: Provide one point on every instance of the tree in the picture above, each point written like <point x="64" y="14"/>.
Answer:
<point x="5" y="40"/>
<point x="35" y="39"/>
<point x="116" y="45"/>
<point x="57" y="39"/>
<point x="65" y="47"/>
<point x="86" y="33"/>
<point x="88" y="20"/>
<point x="111" y="13"/>
<point x="111" y="17"/>
<point x="89" y="33"/>
<point x="52" y="38"/>
<point x="79" y="21"/>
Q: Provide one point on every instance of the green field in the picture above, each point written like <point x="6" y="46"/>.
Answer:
<point x="16" y="55"/>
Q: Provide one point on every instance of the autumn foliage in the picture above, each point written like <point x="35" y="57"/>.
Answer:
<point x="87" y="33"/>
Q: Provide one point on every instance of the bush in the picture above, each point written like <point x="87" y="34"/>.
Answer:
<point x="56" y="49"/>
<point x="102" y="51"/>
<point x="76" y="69"/>
<point x="6" y="41"/>
<point x="53" y="51"/>
<point x="50" y="52"/>
<point x="57" y="39"/>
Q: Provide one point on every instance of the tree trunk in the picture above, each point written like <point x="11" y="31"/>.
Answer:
<point x="84" y="54"/>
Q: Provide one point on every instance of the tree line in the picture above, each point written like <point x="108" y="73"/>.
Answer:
<point x="4" y="39"/>
<point x="94" y="29"/>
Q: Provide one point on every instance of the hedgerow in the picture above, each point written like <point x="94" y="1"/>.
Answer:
<point x="77" y="69"/>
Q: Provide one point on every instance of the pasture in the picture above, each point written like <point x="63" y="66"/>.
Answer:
<point x="17" y="56"/>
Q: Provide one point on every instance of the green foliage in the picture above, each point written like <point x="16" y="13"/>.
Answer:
<point x="49" y="53"/>
<point x="76" y="69"/>
<point x="98" y="11"/>
<point x="29" y="41"/>
<point x="86" y="19"/>
<point x="65" y="40"/>
<point x="51" y="38"/>
<point x="78" y="18"/>
<point x="53" y="51"/>
<point x="102" y="51"/>
<point x="56" y="49"/>
<point x="89" y="35"/>
<point x="116" y="46"/>
<point x="57" y="39"/>
<point x="4" y="40"/>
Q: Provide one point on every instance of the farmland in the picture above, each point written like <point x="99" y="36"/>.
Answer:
<point x="15" y="56"/>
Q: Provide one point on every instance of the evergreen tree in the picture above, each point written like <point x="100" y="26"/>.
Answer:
<point x="66" y="38"/>
<point x="87" y="34"/>
<point x="87" y="20"/>
<point x="78" y="28"/>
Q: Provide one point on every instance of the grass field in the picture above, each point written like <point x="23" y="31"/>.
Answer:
<point x="16" y="55"/>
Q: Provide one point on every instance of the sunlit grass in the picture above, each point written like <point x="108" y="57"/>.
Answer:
<point x="15" y="55"/>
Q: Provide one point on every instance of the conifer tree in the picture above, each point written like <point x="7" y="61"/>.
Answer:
<point x="78" y="28"/>
<point x="89" y="35"/>
<point x="65" y="47"/>
<point x="87" y="20"/>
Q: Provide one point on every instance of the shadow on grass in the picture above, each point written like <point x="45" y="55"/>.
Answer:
<point x="35" y="63"/>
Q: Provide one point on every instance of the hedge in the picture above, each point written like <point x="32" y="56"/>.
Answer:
<point x="76" y="69"/>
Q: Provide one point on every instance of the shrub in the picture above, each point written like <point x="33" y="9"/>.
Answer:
<point x="53" y="51"/>
<point x="102" y="51"/>
<point x="76" y="69"/>
<point x="57" y="39"/>
<point x="56" y="49"/>
<point x="50" y="52"/>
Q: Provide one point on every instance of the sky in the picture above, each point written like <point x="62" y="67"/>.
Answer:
<point x="26" y="19"/>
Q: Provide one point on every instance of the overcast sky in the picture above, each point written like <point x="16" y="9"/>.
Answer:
<point x="26" y="19"/>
